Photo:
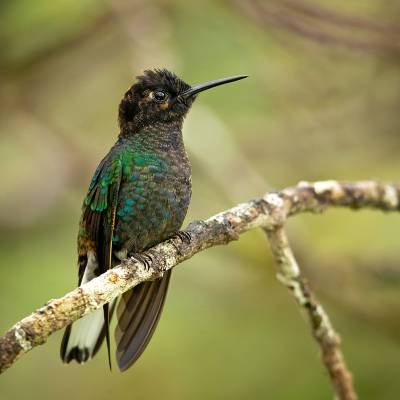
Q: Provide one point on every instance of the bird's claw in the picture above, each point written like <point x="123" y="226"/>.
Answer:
<point x="145" y="258"/>
<point x="185" y="237"/>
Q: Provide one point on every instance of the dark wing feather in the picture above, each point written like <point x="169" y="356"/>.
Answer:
<point x="138" y="313"/>
<point x="104" y="249"/>
<point x="97" y="226"/>
<point x="101" y="212"/>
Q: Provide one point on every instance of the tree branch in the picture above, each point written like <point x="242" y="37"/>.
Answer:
<point x="328" y="340"/>
<point x="269" y="212"/>
<point x="324" y="26"/>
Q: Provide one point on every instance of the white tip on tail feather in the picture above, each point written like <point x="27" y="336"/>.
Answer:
<point x="86" y="331"/>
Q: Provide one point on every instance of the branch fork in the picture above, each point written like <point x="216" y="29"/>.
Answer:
<point x="269" y="213"/>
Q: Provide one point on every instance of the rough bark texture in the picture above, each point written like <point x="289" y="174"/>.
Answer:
<point x="270" y="213"/>
<point x="328" y="340"/>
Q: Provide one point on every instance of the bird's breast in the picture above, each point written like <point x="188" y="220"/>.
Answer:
<point x="153" y="200"/>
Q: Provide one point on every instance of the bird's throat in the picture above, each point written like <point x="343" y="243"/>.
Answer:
<point x="159" y="137"/>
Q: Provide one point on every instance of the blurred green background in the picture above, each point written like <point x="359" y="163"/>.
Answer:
<point x="322" y="102"/>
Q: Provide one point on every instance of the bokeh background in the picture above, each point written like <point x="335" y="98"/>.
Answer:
<point x="322" y="102"/>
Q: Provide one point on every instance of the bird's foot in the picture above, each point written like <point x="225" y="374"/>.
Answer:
<point x="145" y="258"/>
<point x="184" y="237"/>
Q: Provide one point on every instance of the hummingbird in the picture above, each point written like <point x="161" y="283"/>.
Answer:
<point x="138" y="197"/>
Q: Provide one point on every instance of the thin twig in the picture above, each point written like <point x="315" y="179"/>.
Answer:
<point x="328" y="340"/>
<point x="341" y="19"/>
<point x="286" y="16"/>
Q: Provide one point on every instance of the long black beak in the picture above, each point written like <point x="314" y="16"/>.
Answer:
<point x="208" y="85"/>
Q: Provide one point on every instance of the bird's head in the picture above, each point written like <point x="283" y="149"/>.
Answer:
<point x="160" y="96"/>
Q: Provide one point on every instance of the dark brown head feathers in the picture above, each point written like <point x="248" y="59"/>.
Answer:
<point x="161" y="78"/>
<point x="140" y="107"/>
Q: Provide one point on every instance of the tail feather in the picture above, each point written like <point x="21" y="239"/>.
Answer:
<point x="106" y="329"/>
<point x="83" y="339"/>
<point x="138" y="313"/>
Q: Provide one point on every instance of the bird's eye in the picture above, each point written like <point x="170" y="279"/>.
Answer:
<point x="160" y="96"/>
